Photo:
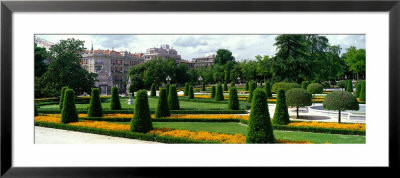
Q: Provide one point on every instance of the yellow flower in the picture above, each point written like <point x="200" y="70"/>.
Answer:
<point x="360" y="127"/>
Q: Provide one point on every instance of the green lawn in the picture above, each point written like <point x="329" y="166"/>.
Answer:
<point x="153" y="104"/>
<point x="236" y="128"/>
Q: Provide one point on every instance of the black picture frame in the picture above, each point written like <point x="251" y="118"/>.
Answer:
<point x="8" y="7"/>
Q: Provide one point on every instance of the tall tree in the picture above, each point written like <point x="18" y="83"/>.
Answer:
<point x="40" y="56"/>
<point x="223" y="56"/>
<point x="355" y="60"/>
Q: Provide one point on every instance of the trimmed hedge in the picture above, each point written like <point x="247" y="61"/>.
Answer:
<point x="259" y="129"/>
<point x="305" y="84"/>
<point x="153" y="91"/>
<point x="141" y="121"/>
<point x="173" y="100"/>
<point x="115" y="104"/>
<point x="167" y="86"/>
<point x="186" y="91"/>
<point x="125" y="119"/>
<point x="284" y="85"/>
<point x="252" y="87"/>
<point x="162" y="109"/>
<point x="281" y="114"/>
<point x="247" y="86"/>
<point x="349" y="86"/>
<point x="213" y="91"/>
<point x="233" y="103"/>
<point x="358" y="90"/>
<point x="363" y="92"/>
<point x="191" y="92"/>
<point x="130" y="111"/>
<point x="232" y="84"/>
<point x="225" y="86"/>
<point x="340" y="100"/>
<point x="68" y="113"/>
<point x="203" y="87"/>
<point x="219" y="95"/>
<point x="95" y="109"/>
<point x="268" y="89"/>
<point x="61" y="101"/>
<point x="315" y="88"/>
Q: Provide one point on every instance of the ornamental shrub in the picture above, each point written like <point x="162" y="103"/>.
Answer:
<point x="340" y="100"/>
<point x="233" y="84"/>
<point x="298" y="97"/>
<point x="305" y="84"/>
<point x="68" y="112"/>
<point x="315" y="88"/>
<point x="284" y="85"/>
<point x="153" y="90"/>
<point x="95" y="109"/>
<point x="281" y="114"/>
<point x="349" y="86"/>
<point x="326" y="84"/>
<point x="35" y="111"/>
<point x="225" y="86"/>
<point x="247" y="86"/>
<point x="173" y="101"/>
<point x="141" y="121"/>
<point x="167" y="87"/>
<point x="203" y="86"/>
<point x="191" y="93"/>
<point x="252" y="87"/>
<point x="233" y="103"/>
<point x="186" y="91"/>
<point x="341" y="84"/>
<point x="162" y="109"/>
<point x="61" y="102"/>
<point x="268" y="89"/>
<point x="213" y="91"/>
<point x="259" y="129"/>
<point x="115" y="103"/>
<point x="363" y="92"/>
<point x="219" y="95"/>
<point x="358" y="90"/>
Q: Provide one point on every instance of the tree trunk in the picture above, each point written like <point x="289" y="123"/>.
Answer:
<point x="339" y="117"/>
<point x="297" y="110"/>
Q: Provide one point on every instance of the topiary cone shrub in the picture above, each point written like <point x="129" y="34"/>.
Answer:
<point x="268" y="89"/>
<point x="233" y="84"/>
<point x="349" y="86"/>
<point x="153" y="90"/>
<point x="191" y="93"/>
<point x="35" y="111"/>
<point x="233" y="103"/>
<point x="363" y="91"/>
<point x="95" y="109"/>
<point x="281" y="114"/>
<point x="247" y="86"/>
<point x="68" y="113"/>
<point x="305" y="84"/>
<point x="167" y="86"/>
<point x="340" y="100"/>
<point x="259" y="129"/>
<point x="115" y="103"/>
<point x="213" y="91"/>
<point x="141" y="121"/>
<point x="298" y="97"/>
<point x="358" y="90"/>
<point x="162" y="109"/>
<point x="219" y="95"/>
<point x="225" y="86"/>
<point x="186" y="91"/>
<point x="61" y="102"/>
<point x="252" y="87"/>
<point x="173" y="100"/>
<point x="203" y="86"/>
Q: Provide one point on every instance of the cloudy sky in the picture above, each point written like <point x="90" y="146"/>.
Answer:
<point x="191" y="46"/>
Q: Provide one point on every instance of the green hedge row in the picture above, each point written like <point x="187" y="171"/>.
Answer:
<point x="84" y="111"/>
<point x="314" y="129"/>
<point x="124" y="119"/>
<point x="123" y="134"/>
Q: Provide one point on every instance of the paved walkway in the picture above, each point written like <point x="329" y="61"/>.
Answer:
<point x="45" y="135"/>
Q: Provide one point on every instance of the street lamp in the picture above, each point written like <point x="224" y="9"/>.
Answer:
<point x="238" y="80"/>
<point x="168" y="79"/>
<point x="201" y="79"/>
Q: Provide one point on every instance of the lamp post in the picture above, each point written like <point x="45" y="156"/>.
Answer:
<point x="168" y="79"/>
<point x="201" y="79"/>
<point x="239" y="80"/>
<point x="130" y="101"/>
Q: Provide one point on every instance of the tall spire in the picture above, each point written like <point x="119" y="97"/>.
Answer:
<point x="92" y="45"/>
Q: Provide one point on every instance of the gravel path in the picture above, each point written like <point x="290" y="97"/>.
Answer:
<point x="45" y="135"/>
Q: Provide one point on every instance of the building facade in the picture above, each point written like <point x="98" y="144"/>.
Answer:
<point x="204" y="61"/>
<point x="111" y="68"/>
<point x="163" y="52"/>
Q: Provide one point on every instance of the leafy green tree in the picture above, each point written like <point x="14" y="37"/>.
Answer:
<point x="315" y="88"/>
<point x="219" y="95"/>
<point x="341" y="84"/>
<point x="173" y="100"/>
<point x="223" y="56"/>
<point x="68" y="112"/>
<point x="141" y="121"/>
<point x="281" y="114"/>
<point x="355" y="60"/>
<point x="95" y="109"/>
<point x="252" y="87"/>
<point x="61" y="102"/>
<point x="162" y="109"/>
<point x="305" y="84"/>
<point x="284" y="85"/>
<point x="153" y="91"/>
<point x="233" y="103"/>
<point x="340" y="100"/>
<point x="298" y="97"/>
<point x="115" y="104"/>
<point x="40" y="56"/>
<point x="259" y="129"/>
<point x="65" y="69"/>
<point x="262" y="69"/>
<point x="213" y="91"/>
<point x="363" y="92"/>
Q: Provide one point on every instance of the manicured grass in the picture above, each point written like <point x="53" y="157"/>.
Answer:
<point x="153" y="104"/>
<point x="236" y="128"/>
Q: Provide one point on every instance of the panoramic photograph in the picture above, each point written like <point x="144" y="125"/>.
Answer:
<point x="200" y="89"/>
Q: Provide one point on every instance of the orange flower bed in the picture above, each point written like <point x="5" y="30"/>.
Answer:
<point x="335" y="125"/>
<point x="200" y="135"/>
<point x="102" y="125"/>
<point x="48" y="118"/>
<point x="292" y="142"/>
